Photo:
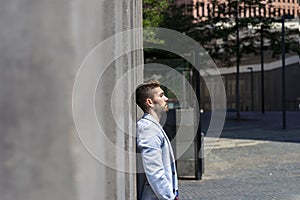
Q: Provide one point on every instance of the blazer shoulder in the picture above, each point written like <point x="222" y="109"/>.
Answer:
<point x="147" y="128"/>
<point x="146" y="124"/>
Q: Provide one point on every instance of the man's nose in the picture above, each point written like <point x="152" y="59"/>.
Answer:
<point x="166" y="98"/>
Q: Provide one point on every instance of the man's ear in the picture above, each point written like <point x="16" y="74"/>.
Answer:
<point x="149" y="102"/>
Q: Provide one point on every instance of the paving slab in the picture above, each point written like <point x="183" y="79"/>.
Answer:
<point x="260" y="161"/>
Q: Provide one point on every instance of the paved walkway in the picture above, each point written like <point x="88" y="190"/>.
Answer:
<point x="254" y="159"/>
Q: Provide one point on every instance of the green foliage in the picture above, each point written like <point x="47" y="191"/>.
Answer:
<point x="153" y="12"/>
<point x="216" y="32"/>
<point x="165" y="14"/>
<point x="178" y="17"/>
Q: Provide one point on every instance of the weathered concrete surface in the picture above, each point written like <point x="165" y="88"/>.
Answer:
<point x="42" y="46"/>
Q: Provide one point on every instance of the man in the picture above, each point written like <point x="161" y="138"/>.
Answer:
<point x="156" y="154"/>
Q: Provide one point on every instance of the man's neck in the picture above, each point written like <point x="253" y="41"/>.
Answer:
<point x="155" y="115"/>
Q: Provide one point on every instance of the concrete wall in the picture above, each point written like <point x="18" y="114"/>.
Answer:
<point x="273" y="100"/>
<point x="43" y="44"/>
<point x="273" y="90"/>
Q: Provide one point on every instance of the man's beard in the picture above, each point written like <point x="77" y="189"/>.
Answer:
<point x="162" y="112"/>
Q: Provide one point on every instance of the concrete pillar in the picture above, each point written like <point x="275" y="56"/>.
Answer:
<point x="43" y="44"/>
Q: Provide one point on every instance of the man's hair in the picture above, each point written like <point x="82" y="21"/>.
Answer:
<point x="143" y="92"/>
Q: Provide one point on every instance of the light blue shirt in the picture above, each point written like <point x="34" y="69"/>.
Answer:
<point x="157" y="160"/>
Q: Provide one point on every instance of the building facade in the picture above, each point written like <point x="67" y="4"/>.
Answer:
<point x="204" y="8"/>
<point x="251" y="87"/>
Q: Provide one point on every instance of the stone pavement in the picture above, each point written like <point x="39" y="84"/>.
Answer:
<point x="253" y="159"/>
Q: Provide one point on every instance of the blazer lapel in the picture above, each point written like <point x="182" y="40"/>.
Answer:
<point x="150" y="118"/>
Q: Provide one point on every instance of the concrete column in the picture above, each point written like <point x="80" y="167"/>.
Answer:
<point x="43" y="44"/>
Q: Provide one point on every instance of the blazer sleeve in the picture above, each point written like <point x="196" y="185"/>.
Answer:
<point x="150" y="146"/>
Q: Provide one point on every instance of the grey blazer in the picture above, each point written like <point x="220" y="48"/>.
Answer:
<point x="156" y="159"/>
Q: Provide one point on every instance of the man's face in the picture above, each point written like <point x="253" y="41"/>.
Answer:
<point x="160" y="100"/>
